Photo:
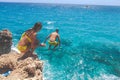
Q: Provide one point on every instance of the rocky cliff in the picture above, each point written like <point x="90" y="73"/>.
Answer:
<point x="29" y="68"/>
<point x="20" y="66"/>
<point x="5" y="41"/>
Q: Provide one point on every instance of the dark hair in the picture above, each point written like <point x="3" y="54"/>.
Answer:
<point x="57" y="30"/>
<point x="37" y="26"/>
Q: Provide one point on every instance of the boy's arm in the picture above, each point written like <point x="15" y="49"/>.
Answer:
<point x="47" y="38"/>
<point x="58" y="39"/>
<point x="34" y="43"/>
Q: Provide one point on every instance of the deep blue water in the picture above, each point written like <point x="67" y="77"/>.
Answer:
<point x="90" y="38"/>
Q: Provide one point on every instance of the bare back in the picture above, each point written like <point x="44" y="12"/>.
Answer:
<point x="53" y="36"/>
<point x="25" y="40"/>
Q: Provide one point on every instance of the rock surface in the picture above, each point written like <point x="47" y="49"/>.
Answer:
<point x="27" y="69"/>
<point x="5" y="41"/>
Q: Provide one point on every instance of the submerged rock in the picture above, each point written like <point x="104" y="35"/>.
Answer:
<point x="27" y="69"/>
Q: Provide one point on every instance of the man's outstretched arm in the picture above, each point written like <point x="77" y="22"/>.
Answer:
<point x="47" y="38"/>
<point x="59" y="40"/>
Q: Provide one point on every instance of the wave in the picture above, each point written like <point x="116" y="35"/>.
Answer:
<point x="49" y="27"/>
<point x="50" y="22"/>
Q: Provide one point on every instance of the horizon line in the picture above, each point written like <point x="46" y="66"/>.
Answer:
<point x="60" y="3"/>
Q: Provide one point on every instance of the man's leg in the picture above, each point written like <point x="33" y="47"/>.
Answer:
<point x="55" y="46"/>
<point x="49" y="47"/>
<point x="34" y="46"/>
<point x="24" y="55"/>
<point x="29" y="51"/>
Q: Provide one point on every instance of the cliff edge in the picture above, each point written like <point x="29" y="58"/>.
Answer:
<point x="27" y="69"/>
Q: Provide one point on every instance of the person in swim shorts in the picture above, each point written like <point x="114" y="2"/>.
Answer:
<point x="53" y="39"/>
<point x="28" y="41"/>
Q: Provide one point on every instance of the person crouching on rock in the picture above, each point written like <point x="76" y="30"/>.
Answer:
<point x="28" y="41"/>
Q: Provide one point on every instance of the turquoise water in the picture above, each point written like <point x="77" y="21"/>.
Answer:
<point x="90" y="38"/>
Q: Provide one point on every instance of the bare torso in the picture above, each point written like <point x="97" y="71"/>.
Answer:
<point x="53" y="36"/>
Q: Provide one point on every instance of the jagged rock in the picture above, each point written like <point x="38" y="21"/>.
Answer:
<point x="27" y="69"/>
<point x="5" y="41"/>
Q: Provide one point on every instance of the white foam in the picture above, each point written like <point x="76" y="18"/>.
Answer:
<point x="49" y="27"/>
<point x="47" y="71"/>
<point x="82" y="76"/>
<point x="107" y="77"/>
<point x="74" y="76"/>
<point x="80" y="61"/>
<point x="15" y="49"/>
<point x="50" y="22"/>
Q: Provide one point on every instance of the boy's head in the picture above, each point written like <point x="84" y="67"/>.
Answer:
<point x="57" y="30"/>
<point x="37" y="26"/>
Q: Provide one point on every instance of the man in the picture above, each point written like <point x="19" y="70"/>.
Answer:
<point x="28" y="41"/>
<point x="53" y="39"/>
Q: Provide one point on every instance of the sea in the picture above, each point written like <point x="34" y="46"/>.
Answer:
<point x="89" y="34"/>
